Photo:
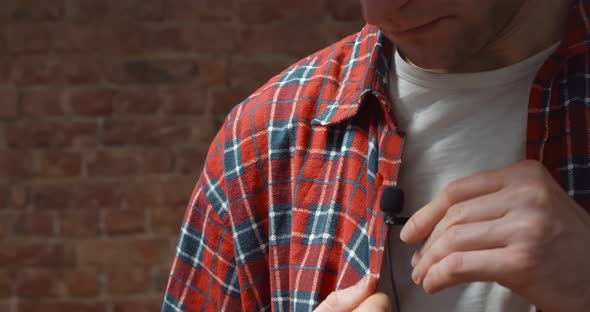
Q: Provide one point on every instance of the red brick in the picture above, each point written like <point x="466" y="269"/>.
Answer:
<point x="85" y="10"/>
<point x="226" y="99"/>
<point x="6" y="64"/>
<point x="189" y="10"/>
<point x="204" y="130"/>
<point x="31" y="10"/>
<point x="185" y="101"/>
<point x="59" y="70"/>
<point x="82" y="283"/>
<point x="93" y="102"/>
<point x="79" y="37"/>
<point x="190" y="161"/>
<point x="60" y="164"/>
<point x="19" y="196"/>
<point x="42" y="102"/>
<point x="4" y="195"/>
<point x="154" y="161"/>
<point x="76" y="195"/>
<point x="147" y="132"/>
<point x="36" y="224"/>
<point x="60" y="306"/>
<point x="44" y="134"/>
<point x="160" y="275"/>
<point x="113" y="163"/>
<point x="142" y="71"/>
<point x="167" y="220"/>
<point x="213" y="38"/>
<point x="143" y="193"/>
<point x="8" y="103"/>
<point x="123" y="9"/>
<point x="33" y="254"/>
<point x="250" y="74"/>
<point x="217" y="73"/>
<point x="178" y="190"/>
<point x="134" y="305"/>
<point x="128" y="280"/>
<point x="97" y="195"/>
<point x="16" y="164"/>
<point x="119" y="222"/>
<point x="164" y="39"/>
<point x="52" y="196"/>
<point x="138" y="9"/>
<point x="268" y="11"/>
<point x="120" y="252"/>
<point x="277" y="39"/>
<point x="36" y="283"/>
<point x="6" y="284"/>
<point x="126" y="38"/>
<point x="27" y="38"/>
<point x="79" y="224"/>
<point x="8" y="221"/>
<point x="139" y="101"/>
<point x="141" y="38"/>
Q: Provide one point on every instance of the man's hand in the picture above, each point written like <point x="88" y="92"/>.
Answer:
<point x="514" y="226"/>
<point x="359" y="297"/>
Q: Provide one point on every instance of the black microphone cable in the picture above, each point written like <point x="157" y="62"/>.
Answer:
<point x="392" y="202"/>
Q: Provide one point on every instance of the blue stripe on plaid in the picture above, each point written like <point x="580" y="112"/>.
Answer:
<point x="216" y="197"/>
<point x="281" y="135"/>
<point x="280" y="217"/>
<point x="172" y="305"/>
<point x="321" y="225"/>
<point x="357" y="252"/>
<point x="281" y="299"/>
<point x="231" y="284"/>
<point x="298" y="75"/>
<point x="190" y="246"/>
<point x="248" y="246"/>
<point x="340" y="142"/>
<point x="304" y="301"/>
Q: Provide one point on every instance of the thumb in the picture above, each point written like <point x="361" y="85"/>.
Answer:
<point x="347" y="299"/>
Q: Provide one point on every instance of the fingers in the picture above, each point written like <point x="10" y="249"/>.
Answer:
<point x="378" y="302"/>
<point x="347" y="299"/>
<point x="424" y="220"/>
<point x="460" y="238"/>
<point x="478" y="209"/>
<point x="469" y="266"/>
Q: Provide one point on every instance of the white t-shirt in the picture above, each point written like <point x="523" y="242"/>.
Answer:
<point x="456" y="125"/>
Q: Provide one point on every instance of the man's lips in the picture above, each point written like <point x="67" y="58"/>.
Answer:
<point x="419" y="29"/>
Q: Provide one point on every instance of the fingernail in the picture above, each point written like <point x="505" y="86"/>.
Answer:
<point x="407" y="231"/>
<point x="414" y="259"/>
<point x="415" y="277"/>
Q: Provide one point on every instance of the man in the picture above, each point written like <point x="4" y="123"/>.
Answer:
<point x="477" y="109"/>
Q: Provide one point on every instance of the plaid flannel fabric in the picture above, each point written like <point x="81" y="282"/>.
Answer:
<point x="285" y="210"/>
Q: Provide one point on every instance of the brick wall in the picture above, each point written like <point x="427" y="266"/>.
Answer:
<point x="106" y="110"/>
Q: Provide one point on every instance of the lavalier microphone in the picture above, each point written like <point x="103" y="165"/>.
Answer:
<point x="392" y="204"/>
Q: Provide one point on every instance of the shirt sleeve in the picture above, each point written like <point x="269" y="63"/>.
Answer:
<point x="203" y="276"/>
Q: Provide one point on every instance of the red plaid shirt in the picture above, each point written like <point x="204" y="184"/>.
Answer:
<point x="286" y="208"/>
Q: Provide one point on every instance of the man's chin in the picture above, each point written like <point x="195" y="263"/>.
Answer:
<point x="423" y="58"/>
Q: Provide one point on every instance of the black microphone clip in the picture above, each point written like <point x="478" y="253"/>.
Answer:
<point x="392" y="203"/>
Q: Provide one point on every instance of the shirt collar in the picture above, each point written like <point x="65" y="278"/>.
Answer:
<point x="367" y="68"/>
<point x="365" y="71"/>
